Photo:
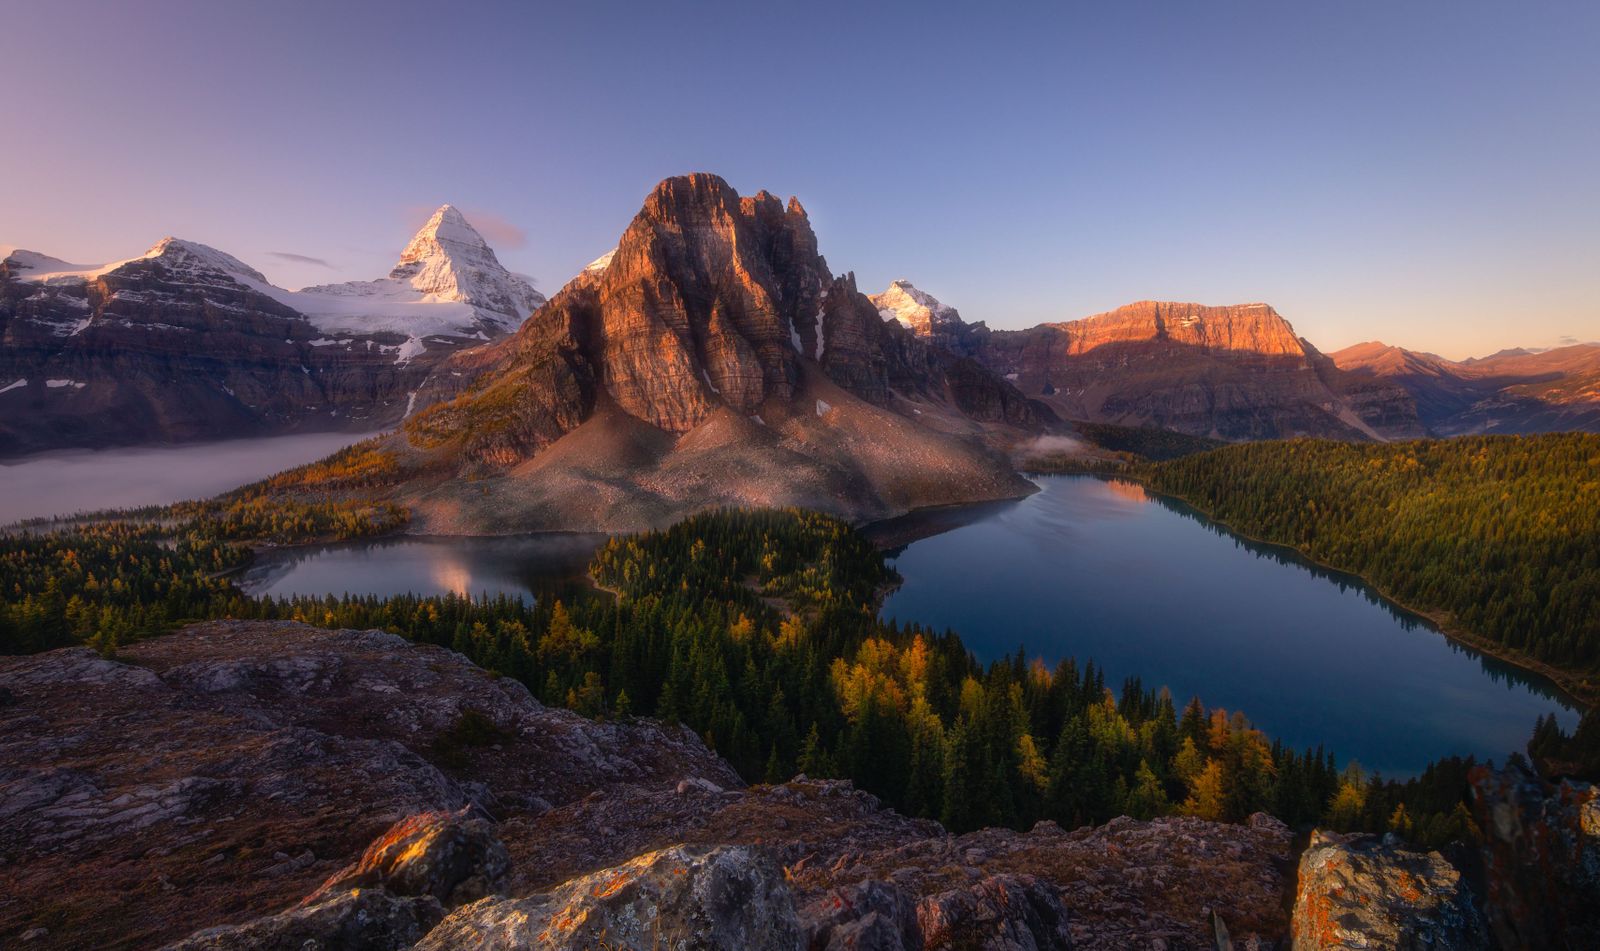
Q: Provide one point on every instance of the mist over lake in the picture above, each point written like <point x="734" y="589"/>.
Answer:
<point x="61" y="483"/>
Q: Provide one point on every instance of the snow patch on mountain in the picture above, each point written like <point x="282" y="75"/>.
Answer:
<point x="36" y="268"/>
<point x="600" y="263"/>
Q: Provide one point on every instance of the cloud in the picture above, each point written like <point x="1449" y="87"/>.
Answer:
<point x="496" y="230"/>
<point x="1568" y="340"/>
<point x="301" y="259"/>
<point x="1056" y="444"/>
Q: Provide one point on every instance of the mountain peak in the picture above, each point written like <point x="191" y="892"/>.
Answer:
<point x="192" y="254"/>
<point x="447" y="232"/>
<point x="914" y="308"/>
<point x="448" y="260"/>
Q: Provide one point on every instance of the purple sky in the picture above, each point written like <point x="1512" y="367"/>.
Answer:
<point x="1423" y="173"/>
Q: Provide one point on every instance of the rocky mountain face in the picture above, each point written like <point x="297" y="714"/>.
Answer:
<point x="1513" y="391"/>
<point x="186" y="342"/>
<point x="712" y="358"/>
<point x="1236" y="372"/>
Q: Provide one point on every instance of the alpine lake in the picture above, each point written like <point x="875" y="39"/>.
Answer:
<point x="1099" y="570"/>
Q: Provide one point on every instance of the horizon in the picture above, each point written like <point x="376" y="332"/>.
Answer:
<point x="1417" y="177"/>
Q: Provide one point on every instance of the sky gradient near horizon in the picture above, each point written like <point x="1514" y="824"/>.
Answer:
<point x="1424" y="173"/>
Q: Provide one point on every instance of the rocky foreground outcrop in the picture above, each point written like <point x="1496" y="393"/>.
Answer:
<point x="220" y="773"/>
<point x="256" y="785"/>
<point x="732" y="887"/>
<point x="1362" y="891"/>
<point x="1532" y="880"/>
<point x="259" y="785"/>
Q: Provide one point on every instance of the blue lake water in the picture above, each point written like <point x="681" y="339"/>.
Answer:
<point x="1098" y="569"/>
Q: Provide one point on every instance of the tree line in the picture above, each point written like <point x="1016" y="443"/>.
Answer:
<point x="759" y="630"/>
<point x="1500" y="534"/>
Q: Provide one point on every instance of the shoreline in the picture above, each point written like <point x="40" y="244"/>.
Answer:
<point x="1570" y="685"/>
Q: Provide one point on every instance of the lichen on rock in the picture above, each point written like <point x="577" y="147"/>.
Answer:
<point x="1363" y="891"/>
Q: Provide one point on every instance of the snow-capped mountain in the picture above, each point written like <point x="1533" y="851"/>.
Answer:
<point x="446" y="263"/>
<point x="188" y="342"/>
<point x="914" y="309"/>
<point x="929" y="318"/>
<point x="180" y="256"/>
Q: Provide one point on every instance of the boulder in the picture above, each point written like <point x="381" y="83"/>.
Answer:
<point x="870" y="916"/>
<point x="448" y="856"/>
<point x="686" y="897"/>
<point x="1360" y="891"/>
<point x="1541" y="853"/>
<point x="999" y="913"/>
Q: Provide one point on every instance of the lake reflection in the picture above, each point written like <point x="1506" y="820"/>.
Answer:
<point x="1149" y="587"/>
<point x="526" y="566"/>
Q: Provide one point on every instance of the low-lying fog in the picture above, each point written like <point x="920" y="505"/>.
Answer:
<point x="80" y="480"/>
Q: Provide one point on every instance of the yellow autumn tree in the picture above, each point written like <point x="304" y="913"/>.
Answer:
<point x="1206" y="793"/>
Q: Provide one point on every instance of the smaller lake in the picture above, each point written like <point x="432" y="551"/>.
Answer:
<point x="526" y="566"/>
<point x="1149" y="587"/>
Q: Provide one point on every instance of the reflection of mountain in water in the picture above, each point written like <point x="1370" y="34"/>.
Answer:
<point x="1499" y="671"/>
<point x="892" y="535"/>
<point x="521" y="566"/>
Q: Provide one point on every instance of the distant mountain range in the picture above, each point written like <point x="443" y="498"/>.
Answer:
<point x="712" y="307"/>
<point x="1237" y="372"/>
<point x="1513" y="391"/>
<point x="187" y="342"/>
<point x="1241" y="372"/>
